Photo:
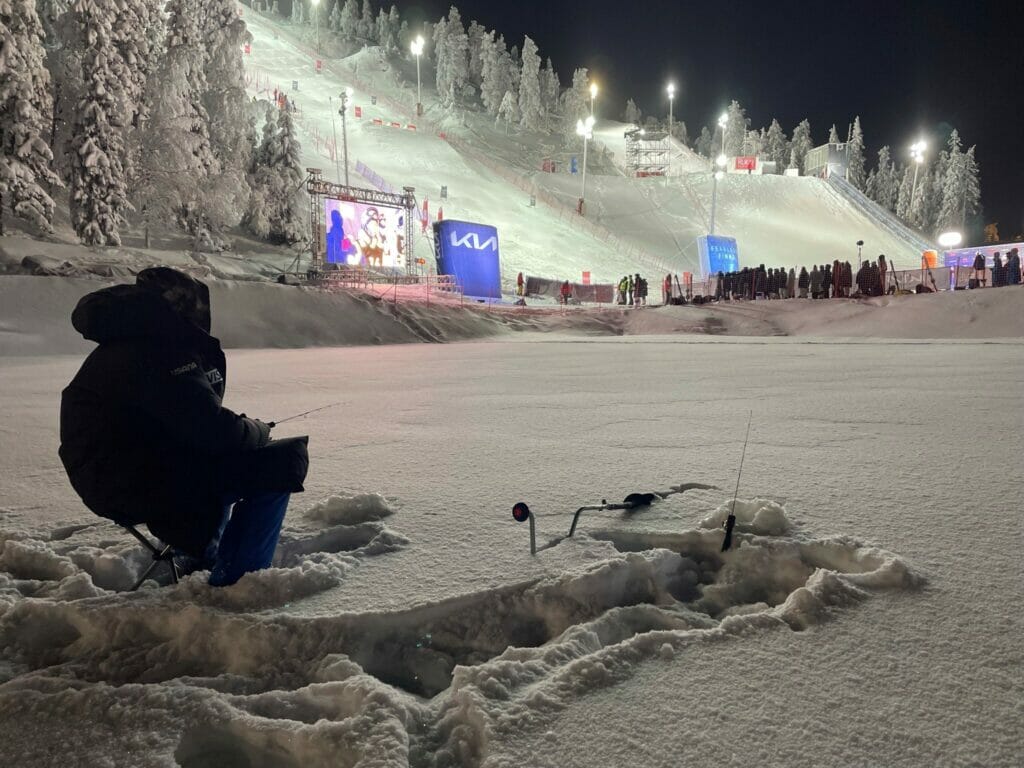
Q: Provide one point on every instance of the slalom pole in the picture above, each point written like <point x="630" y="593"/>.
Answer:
<point x="730" y="522"/>
<point x="273" y="424"/>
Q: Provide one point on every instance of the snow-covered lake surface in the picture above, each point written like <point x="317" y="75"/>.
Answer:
<point x="871" y="615"/>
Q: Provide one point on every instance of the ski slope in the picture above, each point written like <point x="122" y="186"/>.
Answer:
<point x="535" y="240"/>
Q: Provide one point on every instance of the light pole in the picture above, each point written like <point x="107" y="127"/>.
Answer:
<point x="346" y="95"/>
<point x="917" y="152"/>
<point x="722" y="122"/>
<point x="671" y="99"/>
<point x="334" y="134"/>
<point x="718" y="175"/>
<point x="417" y="50"/>
<point x="593" y="95"/>
<point x="316" y="14"/>
<point x="584" y="128"/>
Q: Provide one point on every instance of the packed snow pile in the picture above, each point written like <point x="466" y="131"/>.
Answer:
<point x="425" y="686"/>
<point x="350" y="508"/>
<point x="759" y="516"/>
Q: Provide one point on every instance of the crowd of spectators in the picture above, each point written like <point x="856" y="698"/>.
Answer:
<point x="826" y="281"/>
<point x="1003" y="273"/>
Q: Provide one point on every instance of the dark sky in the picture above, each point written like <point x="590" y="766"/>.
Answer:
<point x="909" y="69"/>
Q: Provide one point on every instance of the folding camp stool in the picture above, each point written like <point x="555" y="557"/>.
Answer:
<point x="164" y="555"/>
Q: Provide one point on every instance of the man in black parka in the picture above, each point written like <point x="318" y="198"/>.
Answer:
<point x="145" y="439"/>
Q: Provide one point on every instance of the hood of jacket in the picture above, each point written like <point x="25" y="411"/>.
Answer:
<point x="137" y="312"/>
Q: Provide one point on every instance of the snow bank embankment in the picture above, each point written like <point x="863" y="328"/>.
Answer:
<point x="35" y="317"/>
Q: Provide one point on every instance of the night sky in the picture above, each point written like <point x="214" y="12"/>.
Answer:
<point x="909" y="69"/>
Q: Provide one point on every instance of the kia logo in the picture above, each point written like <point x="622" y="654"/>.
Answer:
<point x="472" y="240"/>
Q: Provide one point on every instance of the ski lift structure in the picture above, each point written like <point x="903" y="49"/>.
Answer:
<point x="647" y="152"/>
<point x="319" y="190"/>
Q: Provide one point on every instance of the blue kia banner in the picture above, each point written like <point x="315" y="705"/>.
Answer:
<point x="470" y="253"/>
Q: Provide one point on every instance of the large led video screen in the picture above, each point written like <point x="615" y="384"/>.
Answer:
<point x="469" y="252"/>
<point x="718" y="254"/>
<point x="364" y="234"/>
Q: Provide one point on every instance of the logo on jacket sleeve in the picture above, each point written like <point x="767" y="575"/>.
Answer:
<point x="182" y="369"/>
<point x="213" y="376"/>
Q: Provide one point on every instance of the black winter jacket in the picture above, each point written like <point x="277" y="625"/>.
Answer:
<point x="144" y="437"/>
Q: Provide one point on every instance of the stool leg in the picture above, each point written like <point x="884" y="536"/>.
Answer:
<point x="145" y="574"/>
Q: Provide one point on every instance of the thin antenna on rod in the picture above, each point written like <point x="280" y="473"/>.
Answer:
<point x="730" y="523"/>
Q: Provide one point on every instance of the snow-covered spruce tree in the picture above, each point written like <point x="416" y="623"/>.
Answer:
<point x="141" y="53"/>
<point x="855" y="155"/>
<point x="334" y="17"/>
<point x="632" y="112"/>
<point x="802" y="143"/>
<point x="753" y="142"/>
<point x="475" y="36"/>
<point x="508" y="111"/>
<point x="224" y="33"/>
<point x="98" y="191"/>
<point x="494" y="75"/>
<point x="735" y="129"/>
<point x="531" y="108"/>
<point x="881" y="183"/>
<point x="452" y="50"/>
<point x="775" y="145"/>
<point x="575" y="104"/>
<point x="960" y="189"/>
<point x="386" y="37"/>
<point x="703" y="143"/>
<point x="833" y="135"/>
<point x="680" y="132"/>
<point x="177" y="159"/>
<point x="349" y="20"/>
<point x="904" y="198"/>
<point x="550" y="89"/>
<point x="25" y="119"/>
<point x="367" y="25"/>
<point x="279" y="211"/>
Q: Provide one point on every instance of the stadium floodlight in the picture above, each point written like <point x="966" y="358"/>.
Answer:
<point x="316" y="13"/>
<point x="585" y="129"/>
<point x="950" y="239"/>
<point x="722" y="122"/>
<point x="717" y="176"/>
<point x="671" y="99"/>
<point x="416" y="46"/>
<point x="917" y="150"/>
<point x="346" y="97"/>
<point x="593" y="95"/>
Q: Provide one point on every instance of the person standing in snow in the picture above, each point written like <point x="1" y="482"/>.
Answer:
<point x="883" y="269"/>
<point x="630" y="290"/>
<point x="979" y="270"/>
<point x="791" y="283"/>
<point x="145" y="439"/>
<point x="666" y="287"/>
<point x="804" y="282"/>
<point x="1013" y="268"/>
<point x="520" y="283"/>
<point x="815" y="282"/>
<point x="565" y="293"/>
<point x="997" y="270"/>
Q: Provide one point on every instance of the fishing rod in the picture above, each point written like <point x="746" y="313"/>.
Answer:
<point x="730" y="522"/>
<point x="273" y="424"/>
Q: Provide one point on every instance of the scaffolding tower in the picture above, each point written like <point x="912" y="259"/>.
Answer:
<point x="647" y="152"/>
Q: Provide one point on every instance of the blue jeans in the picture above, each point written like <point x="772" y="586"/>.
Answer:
<point x="247" y="536"/>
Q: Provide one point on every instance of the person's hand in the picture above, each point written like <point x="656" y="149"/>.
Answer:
<point x="264" y="430"/>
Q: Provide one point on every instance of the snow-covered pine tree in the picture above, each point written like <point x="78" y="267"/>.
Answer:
<point x="752" y="143"/>
<point x="98" y="191"/>
<point x="704" y="142"/>
<point x="855" y="156"/>
<point x="227" y="107"/>
<point x="972" y="184"/>
<point x="177" y="159"/>
<point x="298" y="11"/>
<point x="960" y="190"/>
<point x="575" y="102"/>
<point x="25" y="118"/>
<point x="508" y="110"/>
<point x="904" y="200"/>
<point x="775" y="145"/>
<point x="632" y="112"/>
<point x="278" y="211"/>
<point x="550" y="88"/>
<point x="680" y="132"/>
<point x="833" y="135"/>
<point x="367" y="25"/>
<point x="385" y="36"/>
<point x="349" y="20"/>
<point x="881" y="182"/>
<point x="475" y="36"/>
<point x="334" y="18"/>
<point x="531" y="108"/>
<point x="802" y="143"/>
<point x="495" y="80"/>
<point x="735" y="129"/>
<point x="456" y="58"/>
